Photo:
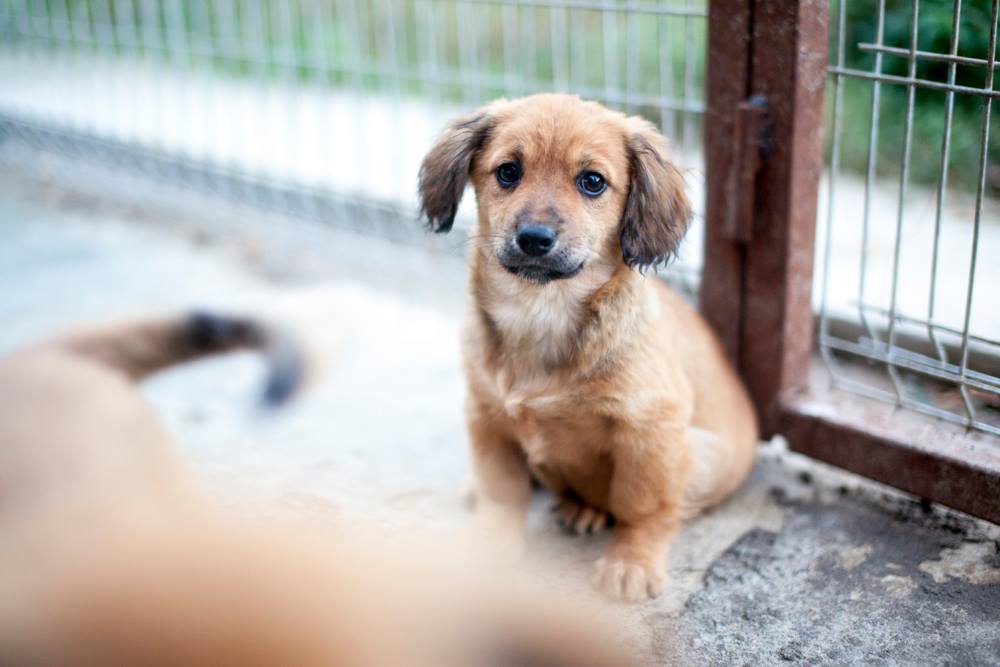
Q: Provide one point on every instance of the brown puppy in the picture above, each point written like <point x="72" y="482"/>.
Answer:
<point x="109" y="555"/>
<point x="196" y="588"/>
<point x="582" y="371"/>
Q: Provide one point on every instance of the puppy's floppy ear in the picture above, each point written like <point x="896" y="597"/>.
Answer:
<point x="445" y="169"/>
<point x="657" y="211"/>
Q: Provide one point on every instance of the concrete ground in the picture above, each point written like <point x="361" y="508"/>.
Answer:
<point x="805" y="565"/>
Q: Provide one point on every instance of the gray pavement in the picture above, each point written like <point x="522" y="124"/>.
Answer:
<point x="805" y="565"/>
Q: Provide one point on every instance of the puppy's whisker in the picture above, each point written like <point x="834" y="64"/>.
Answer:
<point x="483" y="238"/>
<point x="483" y="242"/>
<point x="484" y="245"/>
<point x="480" y="241"/>
<point x="474" y="244"/>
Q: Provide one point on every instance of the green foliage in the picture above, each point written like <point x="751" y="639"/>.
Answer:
<point x="934" y="29"/>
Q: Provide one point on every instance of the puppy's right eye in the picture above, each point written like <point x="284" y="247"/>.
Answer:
<point x="508" y="174"/>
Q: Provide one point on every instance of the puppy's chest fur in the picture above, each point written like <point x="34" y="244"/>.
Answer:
<point x="539" y="333"/>
<point x="538" y="328"/>
<point x="531" y="340"/>
<point x="564" y="437"/>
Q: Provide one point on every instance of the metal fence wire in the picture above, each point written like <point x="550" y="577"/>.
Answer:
<point x="327" y="106"/>
<point x="914" y="267"/>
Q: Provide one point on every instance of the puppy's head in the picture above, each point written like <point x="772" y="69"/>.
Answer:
<point x="561" y="185"/>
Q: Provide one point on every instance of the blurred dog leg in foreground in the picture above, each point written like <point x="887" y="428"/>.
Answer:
<point x="110" y="555"/>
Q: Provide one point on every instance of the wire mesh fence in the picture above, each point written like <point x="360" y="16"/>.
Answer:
<point x="914" y="267"/>
<point x="326" y="107"/>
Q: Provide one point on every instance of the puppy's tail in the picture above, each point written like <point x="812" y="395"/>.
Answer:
<point x="141" y="347"/>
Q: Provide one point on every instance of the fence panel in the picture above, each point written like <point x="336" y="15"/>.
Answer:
<point x="325" y="107"/>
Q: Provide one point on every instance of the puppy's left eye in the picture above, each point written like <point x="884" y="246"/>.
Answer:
<point x="591" y="183"/>
<point x="508" y="174"/>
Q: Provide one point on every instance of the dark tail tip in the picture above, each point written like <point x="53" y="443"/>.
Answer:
<point x="208" y="332"/>
<point x="286" y="372"/>
<point x="211" y="333"/>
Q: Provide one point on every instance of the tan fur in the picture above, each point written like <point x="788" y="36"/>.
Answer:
<point x="70" y="417"/>
<point x="110" y="556"/>
<point x="605" y="386"/>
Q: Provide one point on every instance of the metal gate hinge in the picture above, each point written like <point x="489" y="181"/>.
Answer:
<point x="752" y="139"/>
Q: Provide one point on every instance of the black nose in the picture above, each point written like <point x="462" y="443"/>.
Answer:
<point x="536" y="240"/>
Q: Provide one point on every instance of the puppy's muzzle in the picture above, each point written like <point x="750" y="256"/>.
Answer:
<point x="536" y="240"/>
<point x="535" y="254"/>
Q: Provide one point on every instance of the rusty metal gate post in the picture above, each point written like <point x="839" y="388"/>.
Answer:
<point x="763" y="125"/>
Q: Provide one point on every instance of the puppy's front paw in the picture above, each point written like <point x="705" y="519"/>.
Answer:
<point x="578" y="517"/>
<point x="627" y="581"/>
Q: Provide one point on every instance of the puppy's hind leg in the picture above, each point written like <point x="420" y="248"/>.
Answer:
<point x="715" y="471"/>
